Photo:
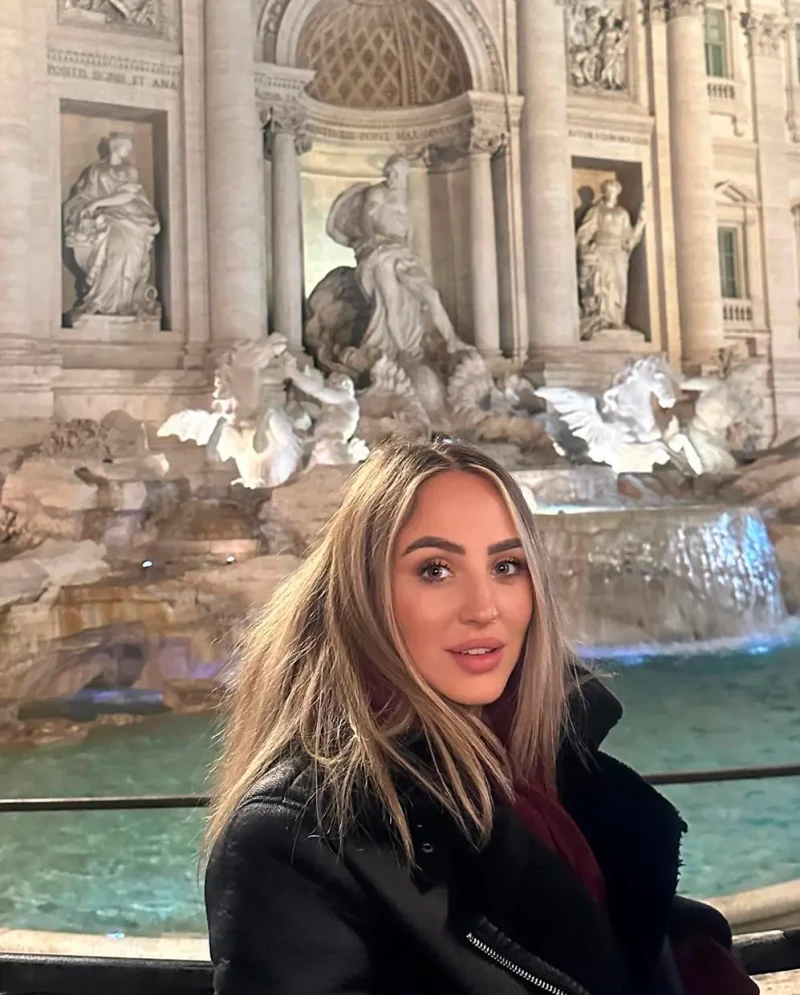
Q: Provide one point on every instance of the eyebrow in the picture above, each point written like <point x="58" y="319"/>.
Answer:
<point x="437" y="542"/>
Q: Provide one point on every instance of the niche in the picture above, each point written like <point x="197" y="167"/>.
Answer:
<point x="587" y="177"/>
<point x="85" y="128"/>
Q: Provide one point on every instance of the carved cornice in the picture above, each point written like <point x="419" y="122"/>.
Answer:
<point x="410" y="131"/>
<point x="765" y="32"/>
<point x="280" y="84"/>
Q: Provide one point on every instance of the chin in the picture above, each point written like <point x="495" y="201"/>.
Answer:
<point x="477" y="691"/>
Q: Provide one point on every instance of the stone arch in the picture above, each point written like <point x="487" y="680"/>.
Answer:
<point x="281" y="23"/>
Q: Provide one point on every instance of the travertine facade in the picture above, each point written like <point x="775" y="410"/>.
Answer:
<point x="248" y="118"/>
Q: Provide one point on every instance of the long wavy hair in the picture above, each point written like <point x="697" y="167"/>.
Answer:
<point x="323" y="671"/>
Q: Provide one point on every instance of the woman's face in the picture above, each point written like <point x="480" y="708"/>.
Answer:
<point x="461" y="590"/>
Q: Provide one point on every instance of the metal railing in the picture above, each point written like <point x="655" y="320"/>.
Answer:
<point x="133" y="802"/>
<point x="33" y="974"/>
<point x="42" y="974"/>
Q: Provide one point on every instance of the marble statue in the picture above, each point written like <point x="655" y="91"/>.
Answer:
<point x="605" y="240"/>
<point x="248" y="421"/>
<point x="373" y="220"/>
<point x="333" y="441"/>
<point x="384" y="325"/>
<point x="252" y="421"/>
<point x="599" y="38"/>
<point x="621" y="429"/>
<point x="727" y="402"/>
<point x="110" y="225"/>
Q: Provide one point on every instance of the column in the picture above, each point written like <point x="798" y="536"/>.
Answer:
<point x="419" y="206"/>
<point x="287" y="251"/>
<point x="697" y="263"/>
<point x="767" y="34"/>
<point x="662" y="201"/>
<point x="15" y="171"/>
<point x="483" y="250"/>
<point x="550" y="273"/>
<point x="237" y="286"/>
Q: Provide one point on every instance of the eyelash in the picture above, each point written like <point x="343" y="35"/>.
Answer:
<point x="440" y="564"/>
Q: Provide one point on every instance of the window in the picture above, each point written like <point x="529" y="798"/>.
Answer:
<point x="716" y="48"/>
<point x="729" y="269"/>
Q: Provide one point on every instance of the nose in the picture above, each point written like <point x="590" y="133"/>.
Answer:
<point x="478" y="605"/>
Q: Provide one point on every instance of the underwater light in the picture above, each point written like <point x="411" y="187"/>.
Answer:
<point x="146" y="564"/>
<point x="230" y="559"/>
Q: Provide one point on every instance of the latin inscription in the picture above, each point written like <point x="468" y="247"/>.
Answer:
<point x="98" y="68"/>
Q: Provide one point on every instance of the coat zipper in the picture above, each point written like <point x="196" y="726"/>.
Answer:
<point x="520" y="972"/>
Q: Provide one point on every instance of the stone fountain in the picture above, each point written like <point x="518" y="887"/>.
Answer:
<point x="130" y="561"/>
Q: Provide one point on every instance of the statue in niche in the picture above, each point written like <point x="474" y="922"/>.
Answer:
<point x="599" y="38"/>
<point x="372" y="220"/>
<point x="110" y="225"/>
<point x="137" y="13"/>
<point x="605" y="240"/>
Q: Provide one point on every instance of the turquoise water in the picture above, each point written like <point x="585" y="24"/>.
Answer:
<point x="136" y="872"/>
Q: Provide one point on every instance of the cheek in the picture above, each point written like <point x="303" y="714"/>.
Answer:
<point x="516" y="605"/>
<point x="420" y="611"/>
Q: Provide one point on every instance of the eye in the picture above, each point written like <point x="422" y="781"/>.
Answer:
<point x="509" y="567"/>
<point x="434" y="571"/>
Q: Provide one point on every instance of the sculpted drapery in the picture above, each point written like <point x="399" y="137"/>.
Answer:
<point x="373" y="221"/>
<point x="605" y="240"/>
<point x="110" y="225"/>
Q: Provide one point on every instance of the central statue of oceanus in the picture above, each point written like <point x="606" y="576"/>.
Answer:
<point x="372" y="220"/>
<point x="383" y="322"/>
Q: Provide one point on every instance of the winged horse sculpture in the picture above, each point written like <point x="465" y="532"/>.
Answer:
<point x="621" y="428"/>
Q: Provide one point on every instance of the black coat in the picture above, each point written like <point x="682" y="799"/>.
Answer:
<point x="289" y="914"/>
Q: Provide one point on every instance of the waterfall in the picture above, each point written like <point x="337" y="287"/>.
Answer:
<point x="663" y="574"/>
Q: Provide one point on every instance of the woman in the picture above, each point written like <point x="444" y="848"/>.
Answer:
<point x="413" y="798"/>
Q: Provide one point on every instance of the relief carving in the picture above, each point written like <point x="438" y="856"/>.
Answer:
<point x="137" y="15"/>
<point x="766" y="32"/>
<point x="598" y="43"/>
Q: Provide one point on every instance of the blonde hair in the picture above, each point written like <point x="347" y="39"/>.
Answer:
<point x="324" y="673"/>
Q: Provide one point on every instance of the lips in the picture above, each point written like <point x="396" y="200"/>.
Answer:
<point x="477" y="644"/>
<point x="478" y="656"/>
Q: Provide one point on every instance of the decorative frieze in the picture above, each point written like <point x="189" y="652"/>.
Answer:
<point x="766" y="32"/>
<point x="104" y="67"/>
